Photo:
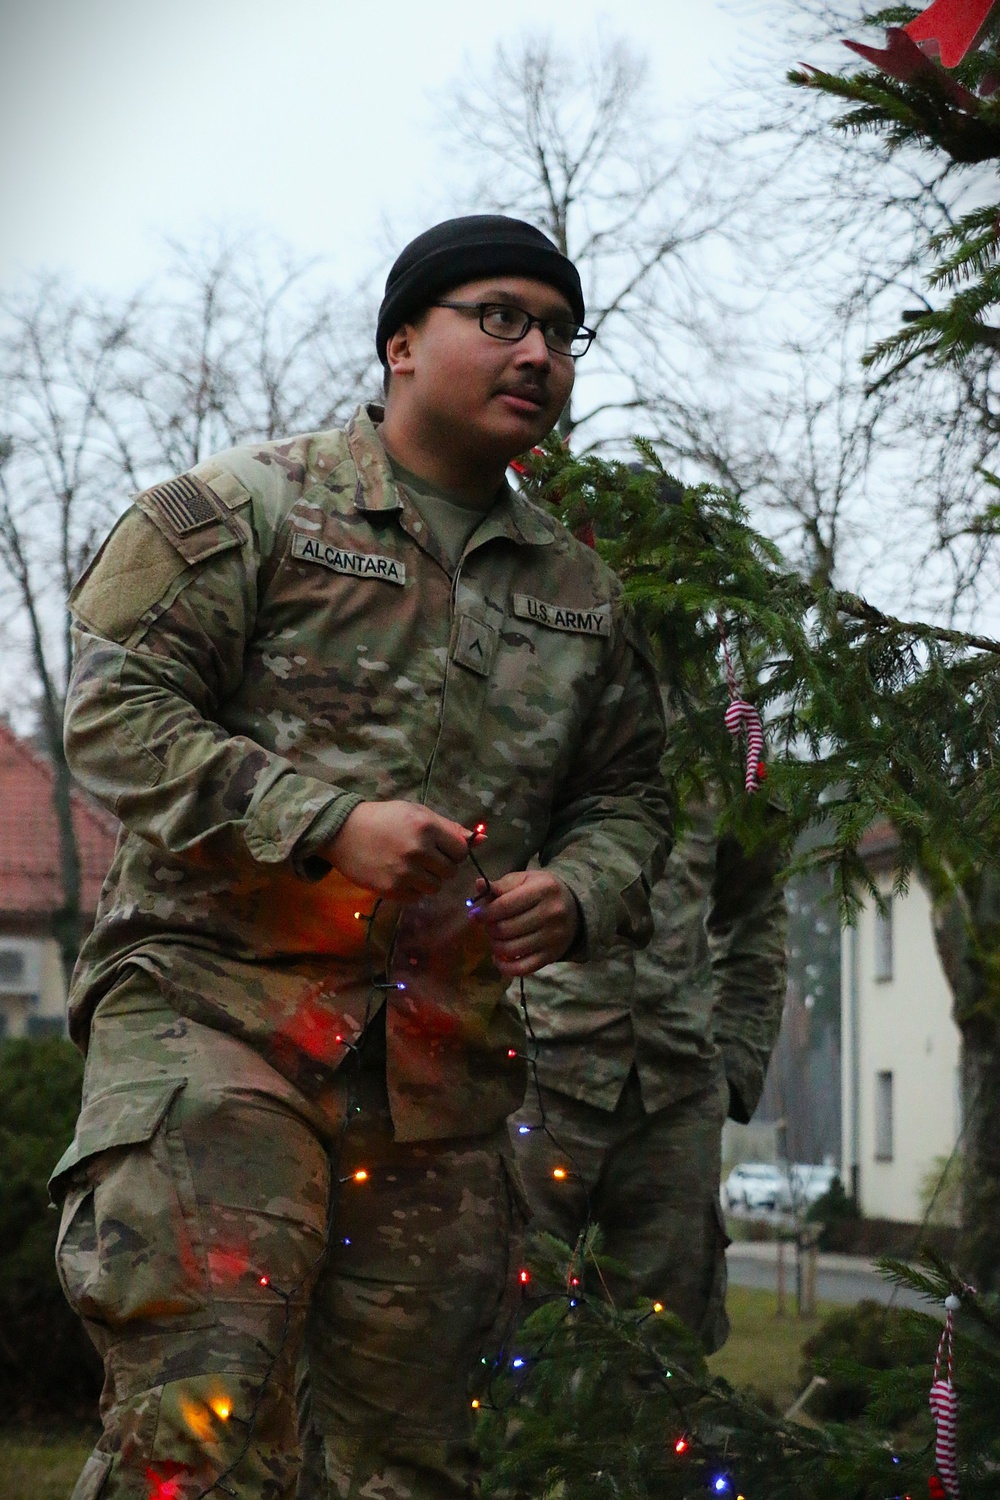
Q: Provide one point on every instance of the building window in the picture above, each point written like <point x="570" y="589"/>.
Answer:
<point x="883" y="941"/>
<point x="883" y="1117"/>
<point x="11" y="967"/>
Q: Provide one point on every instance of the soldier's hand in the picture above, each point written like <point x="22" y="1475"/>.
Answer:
<point x="400" y="850"/>
<point x="531" y="920"/>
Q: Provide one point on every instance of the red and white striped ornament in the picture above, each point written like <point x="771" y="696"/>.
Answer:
<point x="743" y="718"/>
<point x="944" y="1404"/>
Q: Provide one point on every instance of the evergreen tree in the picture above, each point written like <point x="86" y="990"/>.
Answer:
<point x="590" y="1402"/>
<point x="907" y="98"/>
<point x="869" y="717"/>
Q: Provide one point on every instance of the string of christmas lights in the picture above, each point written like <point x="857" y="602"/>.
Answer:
<point x="507" y="1359"/>
<point x="164" y="1486"/>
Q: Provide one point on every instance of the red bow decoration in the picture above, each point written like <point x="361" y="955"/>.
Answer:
<point x="903" y="59"/>
<point x="950" y="28"/>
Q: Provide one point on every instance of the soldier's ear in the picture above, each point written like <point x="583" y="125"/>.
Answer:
<point x="399" y="351"/>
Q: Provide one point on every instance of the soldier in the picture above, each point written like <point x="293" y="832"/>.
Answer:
<point x="639" y="1060"/>
<point x="304" y="672"/>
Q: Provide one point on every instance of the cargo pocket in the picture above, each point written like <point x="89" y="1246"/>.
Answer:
<point x="715" y="1325"/>
<point x="129" y="1245"/>
<point x="91" y="1481"/>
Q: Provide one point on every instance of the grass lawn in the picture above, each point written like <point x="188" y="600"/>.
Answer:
<point x="42" y="1466"/>
<point x="763" y="1351"/>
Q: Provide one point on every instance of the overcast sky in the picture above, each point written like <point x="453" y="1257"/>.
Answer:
<point x="123" y="121"/>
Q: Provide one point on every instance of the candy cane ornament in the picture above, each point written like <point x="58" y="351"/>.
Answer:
<point x="743" y="718"/>
<point x="944" y="1404"/>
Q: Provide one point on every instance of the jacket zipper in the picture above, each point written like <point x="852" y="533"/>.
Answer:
<point x="444" y="685"/>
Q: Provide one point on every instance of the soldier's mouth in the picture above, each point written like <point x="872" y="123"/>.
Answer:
<point x="525" y="399"/>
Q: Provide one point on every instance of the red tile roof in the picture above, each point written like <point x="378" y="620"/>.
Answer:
<point x="879" y="843"/>
<point x="29" y="840"/>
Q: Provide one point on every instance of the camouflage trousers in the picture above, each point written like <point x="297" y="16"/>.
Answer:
<point x="649" y="1180"/>
<point x="215" y="1240"/>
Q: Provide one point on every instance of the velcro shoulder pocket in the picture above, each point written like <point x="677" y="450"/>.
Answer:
<point x="193" y="518"/>
<point x="226" y="487"/>
<point x="131" y="572"/>
<point x="124" y="1116"/>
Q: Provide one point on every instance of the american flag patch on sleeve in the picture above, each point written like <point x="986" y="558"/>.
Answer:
<point x="183" y="503"/>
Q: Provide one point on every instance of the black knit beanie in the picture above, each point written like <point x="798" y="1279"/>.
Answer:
<point x="467" y="249"/>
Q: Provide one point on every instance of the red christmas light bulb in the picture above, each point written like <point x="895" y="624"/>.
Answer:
<point x="163" y="1487"/>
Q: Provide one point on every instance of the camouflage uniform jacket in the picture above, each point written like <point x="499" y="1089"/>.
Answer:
<point x="707" y="992"/>
<point x="274" y="637"/>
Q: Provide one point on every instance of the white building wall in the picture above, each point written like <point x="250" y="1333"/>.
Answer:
<point x="900" y="1026"/>
<point x="32" y="991"/>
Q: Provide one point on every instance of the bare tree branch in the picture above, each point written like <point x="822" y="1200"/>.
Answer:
<point x="99" y="398"/>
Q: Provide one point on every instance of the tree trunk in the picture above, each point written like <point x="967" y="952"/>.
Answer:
<point x="67" y="921"/>
<point x="981" y="1159"/>
<point x="967" y="932"/>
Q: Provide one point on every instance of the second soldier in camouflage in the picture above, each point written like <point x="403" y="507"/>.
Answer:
<point x="640" y="1057"/>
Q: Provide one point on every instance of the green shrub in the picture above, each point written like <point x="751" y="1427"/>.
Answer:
<point x="853" y="1348"/>
<point x="48" y="1367"/>
<point x="835" y="1207"/>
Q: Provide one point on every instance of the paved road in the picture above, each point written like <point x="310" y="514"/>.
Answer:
<point x="839" y="1278"/>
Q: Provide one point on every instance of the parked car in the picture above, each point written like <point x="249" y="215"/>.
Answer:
<point x="807" y="1182"/>
<point x="756" y="1185"/>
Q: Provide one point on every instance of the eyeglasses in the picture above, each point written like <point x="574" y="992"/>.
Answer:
<point x="502" y="321"/>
